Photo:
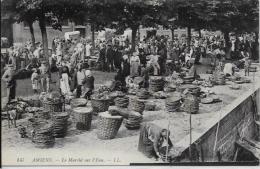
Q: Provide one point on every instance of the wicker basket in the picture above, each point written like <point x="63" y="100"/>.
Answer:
<point x="156" y="83"/>
<point x="42" y="115"/>
<point x="60" y="120"/>
<point x="122" y="101"/>
<point x="137" y="105"/>
<point x="133" y="122"/>
<point x="79" y="102"/>
<point x="143" y="94"/>
<point x="43" y="134"/>
<point x="108" y="125"/>
<point x="188" y="79"/>
<point x="191" y="104"/>
<point x="100" y="105"/>
<point x="83" y="116"/>
<point x="53" y="106"/>
<point x="173" y="104"/>
<point x="252" y="69"/>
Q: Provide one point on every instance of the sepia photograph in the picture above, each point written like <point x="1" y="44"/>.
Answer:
<point x="130" y="83"/>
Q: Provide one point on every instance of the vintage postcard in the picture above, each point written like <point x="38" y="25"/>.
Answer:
<point x="130" y="82"/>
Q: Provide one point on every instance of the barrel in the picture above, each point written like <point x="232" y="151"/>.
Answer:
<point x="83" y="116"/>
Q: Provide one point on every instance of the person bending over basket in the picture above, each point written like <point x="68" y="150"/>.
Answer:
<point x="153" y="141"/>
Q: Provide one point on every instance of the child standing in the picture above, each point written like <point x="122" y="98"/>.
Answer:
<point x="35" y="81"/>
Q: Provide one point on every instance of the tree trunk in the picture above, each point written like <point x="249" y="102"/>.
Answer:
<point x="226" y="37"/>
<point x="256" y="37"/>
<point x="42" y="25"/>
<point x="172" y="30"/>
<point x="134" y="30"/>
<point x="93" y="35"/>
<point x="189" y="35"/>
<point x="32" y="33"/>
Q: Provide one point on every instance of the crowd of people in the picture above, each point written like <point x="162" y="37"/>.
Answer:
<point x="154" y="55"/>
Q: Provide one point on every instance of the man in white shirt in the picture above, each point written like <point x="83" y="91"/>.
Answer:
<point x="88" y="47"/>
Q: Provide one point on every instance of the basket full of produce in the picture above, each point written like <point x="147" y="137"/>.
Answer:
<point x="188" y="79"/>
<point x="100" y="102"/>
<point x="108" y="125"/>
<point x="52" y="102"/>
<point x="78" y="102"/>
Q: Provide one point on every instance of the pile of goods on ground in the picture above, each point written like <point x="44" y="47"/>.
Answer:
<point x="160" y="95"/>
<point x="218" y="78"/>
<point x="150" y="106"/>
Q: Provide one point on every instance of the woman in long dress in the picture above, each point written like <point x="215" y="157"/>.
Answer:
<point x="134" y="64"/>
<point x="64" y="81"/>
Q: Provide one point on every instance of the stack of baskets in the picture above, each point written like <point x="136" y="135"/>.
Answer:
<point x="43" y="114"/>
<point x="53" y="106"/>
<point x="188" y="79"/>
<point x="122" y="101"/>
<point x="190" y="87"/>
<point x="100" y="105"/>
<point x="143" y="94"/>
<point x="114" y="95"/>
<point x="42" y="135"/>
<point x="133" y="121"/>
<point x="108" y="125"/>
<point x="83" y="117"/>
<point x="137" y="105"/>
<point x="191" y="104"/>
<point x="173" y="104"/>
<point x="156" y="83"/>
<point x="78" y="102"/>
<point x="60" y="120"/>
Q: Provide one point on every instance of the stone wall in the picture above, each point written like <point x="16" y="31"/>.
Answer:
<point x="220" y="138"/>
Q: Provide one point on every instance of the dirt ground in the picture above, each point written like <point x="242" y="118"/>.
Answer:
<point x="124" y="146"/>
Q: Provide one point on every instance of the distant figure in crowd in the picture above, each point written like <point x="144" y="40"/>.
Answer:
<point x="247" y="66"/>
<point x="88" y="86"/>
<point x="35" y="78"/>
<point x="64" y="80"/>
<point x="135" y="64"/>
<point x="81" y="79"/>
<point x="229" y="69"/>
<point x="45" y="76"/>
<point x="10" y="78"/>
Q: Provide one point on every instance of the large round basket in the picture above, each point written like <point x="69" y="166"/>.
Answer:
<point x="143" y="94"/>
<point x="252" y="69"/>
<point x="100" y="105"/>
<point x="122" y="101"/>
<point x="43" y="114"/>
<point x="43" y="134"/>
<point x="108" y="125"/>
<point x="188" y="79"/>
<point x="78" y="102"/>
<point x="52" y="106"/>
<point x="83" y="116"/>
<point x="60" y="120"/>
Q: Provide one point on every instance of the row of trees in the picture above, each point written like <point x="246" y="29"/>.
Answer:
<point x="224" y="15"/>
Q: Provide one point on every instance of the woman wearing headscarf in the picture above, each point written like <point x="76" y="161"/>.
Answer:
<point x="64" y="80"/>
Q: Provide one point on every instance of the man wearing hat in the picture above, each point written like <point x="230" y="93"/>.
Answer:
<point x="45" y="76"/>
<point x="10" y="79"/>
